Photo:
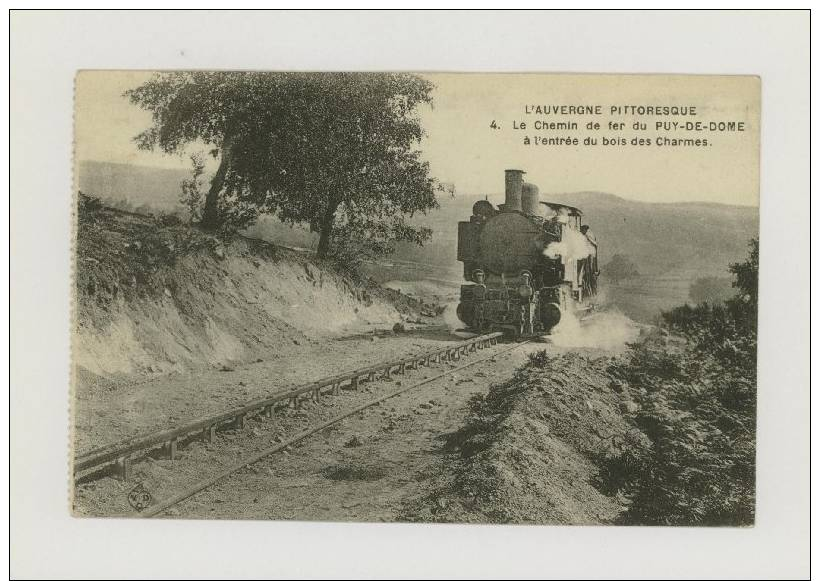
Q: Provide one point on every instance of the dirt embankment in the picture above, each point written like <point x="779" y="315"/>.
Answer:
<point x="527" y="452"/>
<point x="156" y="297"/>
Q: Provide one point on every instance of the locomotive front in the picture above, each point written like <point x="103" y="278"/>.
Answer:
<point x="526" y="262"/>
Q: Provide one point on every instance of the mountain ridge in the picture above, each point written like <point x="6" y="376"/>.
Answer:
<point x="688" y="238"/>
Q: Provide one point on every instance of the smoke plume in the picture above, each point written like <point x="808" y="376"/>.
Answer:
<point x="610" y="331"/>
<point x="573" y="245"/>
<point x="454" y="324"/>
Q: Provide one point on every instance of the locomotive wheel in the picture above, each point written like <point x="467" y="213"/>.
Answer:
<point x="550" y="316"/>
<point x="464" y="312"/>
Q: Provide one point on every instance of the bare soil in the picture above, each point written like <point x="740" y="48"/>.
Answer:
<point x="430" y="454"/>
<point x="527" y="452"/>
<point x="153" y="299"/>
<point x="362" y="468"/>
<point x="109" y="410"/>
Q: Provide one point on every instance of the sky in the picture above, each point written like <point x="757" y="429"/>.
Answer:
<point x="465" y="150"/>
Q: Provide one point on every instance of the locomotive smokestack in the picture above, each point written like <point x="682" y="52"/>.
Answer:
<point x="530" y="200"/>
<point x="513" y="186"/>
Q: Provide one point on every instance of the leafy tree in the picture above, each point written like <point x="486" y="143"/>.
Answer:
<point x="620" y="268"/>
<point x="333" y="150"/>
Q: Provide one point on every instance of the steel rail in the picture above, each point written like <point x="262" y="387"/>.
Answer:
<point x="164" y="505"/>
<point x="124" y="452"/>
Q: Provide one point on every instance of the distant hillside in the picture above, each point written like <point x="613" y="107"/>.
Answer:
<point x="140" y="185"/>
<point x="680" y="239"/>
<point x="693" y="239"/>
<point x="698" y="238"/>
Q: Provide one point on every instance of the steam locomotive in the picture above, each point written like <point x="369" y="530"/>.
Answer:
<point x="526" y="263"/>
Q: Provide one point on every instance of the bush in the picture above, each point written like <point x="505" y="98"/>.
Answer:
<point x="88" y="206"/>
<point x="697" y="411"/>
<point x="168" y="219"/>
<point x="540" y="359"/>
<point x="697" y="466"/>
<point x="711" y="289"/>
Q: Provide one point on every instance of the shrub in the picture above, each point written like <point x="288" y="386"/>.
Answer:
<point x="711" y="289"/>
<point x="539" y="359"/>
<point x="697" y="411"/>
<point x="88" y="206"/>
<point x="168" y="219"/>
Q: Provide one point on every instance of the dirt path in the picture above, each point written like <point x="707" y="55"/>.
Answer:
<point x="364" y="468"/>
<point x="368" y="466"/>
<point x="108" y="411"/>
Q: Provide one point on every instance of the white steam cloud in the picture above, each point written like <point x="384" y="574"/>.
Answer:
<point x="454" y="324"/>
<point x="573" y="245"/>
<point x="609" y="331"/>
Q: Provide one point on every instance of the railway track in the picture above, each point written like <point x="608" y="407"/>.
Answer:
<point x="118" y="458"/>
<point x="163" y="505"/>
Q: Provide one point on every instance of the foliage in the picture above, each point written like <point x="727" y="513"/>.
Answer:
<point x="359" y="240"/>
<point x="326" y="149"/>
<point x="87" y="207"/>
<point x="192" y="196"/>
<point x="710" y="289"/>
<point x="168" y="219"/>
<point x="123" y="204"/>
<point x="744" y="305"/>
<point x="233" y="211"/>
<point x="540" y="359"/>
<point x="746" y="279"/>
<point x="620" y="268"/>
<point x="696" y="407"/>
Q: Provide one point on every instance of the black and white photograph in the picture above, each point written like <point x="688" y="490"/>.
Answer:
<point x="412" y="297"/>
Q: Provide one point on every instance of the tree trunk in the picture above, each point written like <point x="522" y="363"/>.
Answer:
<point x="210" y="214"/>
<point x="326" y="228"/>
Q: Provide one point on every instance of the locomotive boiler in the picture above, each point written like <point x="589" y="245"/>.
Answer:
<point x="527" y="263"/>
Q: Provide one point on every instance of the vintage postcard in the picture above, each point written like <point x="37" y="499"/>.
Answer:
<point x="413" y="297"/>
